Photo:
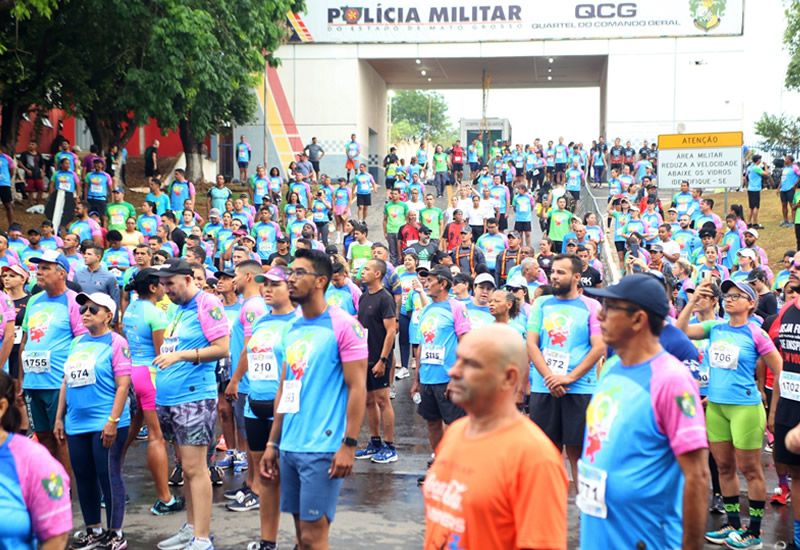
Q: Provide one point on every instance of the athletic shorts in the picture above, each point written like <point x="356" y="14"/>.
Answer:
<point x="41" y="405"/>
<point x="258" y="428"/>
<point x="5" y="195"/>
<point x="32" y="184"/>
<point x="315" y="165"/>
<point x="786" y="196"/>
<point x="436" y="406"/>
<point x="742" y="425"/>
<point x="97" y="205"/>
<point x="189" y="423"/>
<point x="458" y="167"/>
<point x="364" y="200"/>
<point x="620" y="246"/>
<point x="350" y="164"/>
<point x="379" y="382"/>
<point x="474" y="167"/>
<point x="389" y="183"/>
<point x="563" y="419"/>
<point x="780" y="453"/>
<point x="243" y="164"/>
<point x="754" y="199"/>
<point x="561" y="167"/>
<point x="576" y="195"/>
<point x="143" y="387"/>
<point x="502" y="222"/>
<point x="522" y="226"/>
<point x="306" y="487"/>
<point x="551" y="170"/>
<point x="617" y="166"/>
<point x="341" y="209"/>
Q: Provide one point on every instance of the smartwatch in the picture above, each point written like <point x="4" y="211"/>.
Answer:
<point x="350" y="442"/>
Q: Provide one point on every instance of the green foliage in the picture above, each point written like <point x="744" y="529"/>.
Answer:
<point x="781" y="133"/>
<point x="418" y="114"/>
<point x="791" y="38"/>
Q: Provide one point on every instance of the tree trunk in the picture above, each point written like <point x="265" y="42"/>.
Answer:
<point x="8" y="130"/>
<point x="193" y="151"/>
<point x="99" y="128"/>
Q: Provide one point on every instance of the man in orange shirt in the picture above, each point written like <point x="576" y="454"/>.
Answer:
<point x="497" y="481"/>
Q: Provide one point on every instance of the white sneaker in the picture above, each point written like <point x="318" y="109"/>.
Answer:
<point x="178" y="541"/>
<point x="195" y="544"/>
<point x="401" y="373"/>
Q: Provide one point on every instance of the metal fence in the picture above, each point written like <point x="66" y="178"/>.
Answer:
<point x="608" y="255"/>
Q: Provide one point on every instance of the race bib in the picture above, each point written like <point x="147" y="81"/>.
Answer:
<point x="790" y="385"/>
<point x="170" y="345"/>
<point x="432" y="355"/>
<point x="117" y="219"/>
<point x="79" y="372"/>
<point x="723" y="355"/>
<point x="36" y="362"/>
<point x="591" y="499"/>
<point x="96" y="189"/>
<point x="702" y="371"/>
<point x="17" y="335"/>
<point x="262" y="366"/>
<point x="557" y="361"/>
<point x="64" y="185"/>
<point x="290" y="397"/>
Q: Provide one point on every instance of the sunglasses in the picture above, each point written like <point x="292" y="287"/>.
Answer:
<point x="91" y="308"/>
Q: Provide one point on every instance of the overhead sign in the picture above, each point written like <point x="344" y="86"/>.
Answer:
<point x="712" y="160"/>
<point x="393" y="21"/>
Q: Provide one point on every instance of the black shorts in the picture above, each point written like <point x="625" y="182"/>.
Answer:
<point x="458" y="167"/>
<point x="436" y="406"/>
<point x="243" y="164"/>
<point x="315" y="165"/>
<point x="617" y="166"/>
<point x="563" y="419"/>
<point x="97" y="205"/>
<point x="551" y="170"/>
<point x="502" y="222"/>
<point x="5" y="195"/>
<point x="378" y="382"/>
<point x="780" y="453"/>
<point x="522" y="226"/>
<point x="754" y="199"/>
<point x="575" y="195"/>
<point x="561" y="167"/>
<point x="389" y="183"/>
<point x="364" y="200"/>
<point x="474" y="166"/>
<point x="257" y="429"/>
<point x="786" y="196"/>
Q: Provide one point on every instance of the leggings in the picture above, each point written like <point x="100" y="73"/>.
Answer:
<point x="405" y="343"/>
<point x="97" y="468"/>
<point x="322" y="232"/>
<point x="797" y="234"/>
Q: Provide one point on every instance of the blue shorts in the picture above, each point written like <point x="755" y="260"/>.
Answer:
<point x="306" y="487"/>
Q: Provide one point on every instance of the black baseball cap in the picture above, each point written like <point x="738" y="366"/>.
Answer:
<point x="225" y="273"/>
<point x="173" y="266"/>
<point x="641" y="289"/>
<point x="425" y="229"/>
<point x="438" y="271"/>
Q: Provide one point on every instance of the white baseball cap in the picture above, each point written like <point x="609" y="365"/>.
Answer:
<point x="99" y="298"/>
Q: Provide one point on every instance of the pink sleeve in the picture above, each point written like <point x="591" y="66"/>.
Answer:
<point x="356" y="292"/>
<point x="212" y="317"/>
<point x="130" y="257"/>
<point x="258" y="308"/>
<point x="676" y="404"/>
<point x="9" y="312"/>
<point x="278" y="233"/>
<point x="192" y="191"/>
<point x="594" y="308"/>
<point x="460" y="319"/>
<point x="763" y="342"/>
<point x="797" y="169"/>
<point x="120" y="355"/>
<point x="75" y="320"/>
<point x="96" y="231"/>
<point x="45" y="488"/>
<point x="350" y="336"/>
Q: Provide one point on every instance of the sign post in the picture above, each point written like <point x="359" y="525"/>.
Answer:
<point x="710" y="161"/>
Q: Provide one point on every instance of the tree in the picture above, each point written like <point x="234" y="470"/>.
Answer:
<point x="791" y="38"/>
<point x="781" y="133"/>
<point x="418" y="114"/>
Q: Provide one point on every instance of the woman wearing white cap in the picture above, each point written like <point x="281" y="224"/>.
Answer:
<point x="93" y="395"/>
<point x="748" y="260"/>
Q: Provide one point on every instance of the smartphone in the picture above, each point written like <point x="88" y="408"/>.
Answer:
<point x="635" y="249"/>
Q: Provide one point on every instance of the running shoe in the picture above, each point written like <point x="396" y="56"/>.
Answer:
<point x="221" y="445"/>
<point x="720" y="535"/>
<point x="392" y="393"/>
<point x="781" y="497"/>
<point x="176" y="476"/>
<point x="386" y="455"/>
<point x="743" y="539"/>
<point x="113" y="542"/>
<point x="227" y="461"/>
<point x="240" y="461"/>
<point x="217" y="475"/>
<point x="196" y="544"/>
<point x="401" y="373"/>
<point x="246" y="503"/>
<point x="717" y="506"/>
<point x="179" y="540"/>
<point x="234" y="494"/>
<point x="261" y="545"/>
<point x="368" y="452"/>
<point x="161" y="508"/>
<point x="142" y="435"/>
<point x="768" y="447"/>
<point x="86" y="540"/>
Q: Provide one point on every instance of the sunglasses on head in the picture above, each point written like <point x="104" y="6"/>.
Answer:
<point x="91" y="308"/>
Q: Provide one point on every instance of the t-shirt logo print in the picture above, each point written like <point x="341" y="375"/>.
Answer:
<point x="428" y="328"/>
<point x="600" y="415"/>
<point x="38" y="324"/>
<point x="297" y="354"/>
<point x="557" y="327"/>
<point x="53" y="486"/>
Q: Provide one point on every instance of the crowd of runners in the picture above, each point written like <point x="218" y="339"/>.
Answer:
<point x="259" y="336"/>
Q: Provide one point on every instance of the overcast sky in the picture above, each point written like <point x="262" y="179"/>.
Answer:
<point x="763" y="30"/>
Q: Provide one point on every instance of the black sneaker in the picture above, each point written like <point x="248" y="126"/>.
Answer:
<point x="176" y="476"/>
<point x="245" y="504"/>
<point x="237" y="493"/>
<point x="161" y="508"/>
<point x="216" y="475"/>
<point x="113" y="542"/>
<point x="86" y="540"/>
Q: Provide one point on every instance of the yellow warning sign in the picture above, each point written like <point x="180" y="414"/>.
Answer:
<point x="700" y="141"/>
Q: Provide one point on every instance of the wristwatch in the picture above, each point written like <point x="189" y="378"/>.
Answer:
<point x="350" y="442"/>
<point x="385" y="360"/>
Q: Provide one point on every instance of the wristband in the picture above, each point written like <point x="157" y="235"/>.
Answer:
<point x="271" y="444"/>
<point x="112" y="419"/>
<point x="196" y="356"/>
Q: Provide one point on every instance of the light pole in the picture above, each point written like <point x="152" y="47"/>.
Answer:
<point x="390" y="95"/>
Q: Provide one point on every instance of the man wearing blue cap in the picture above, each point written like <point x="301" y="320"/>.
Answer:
<point x="643" y="474"/>
<point x="51" y="322"/>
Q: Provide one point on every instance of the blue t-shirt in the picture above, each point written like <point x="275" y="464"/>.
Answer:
<point x="440" y="324"/>
<point x="266" y="235"/>
<point x="789" y="178"/>
<point x="142" y="318"/>
<point x="99" y="183"/>
<point x="754" y="178"/>
<point x="312" y="353"/>
<point x="363" y="184"/>
<point x="478" y="316"/>
<point x="341" y="297"/>
<point x="219" y="196"/>
<point x="564" y="328"/>
<point x="50" y="325"/>
<point x="252" y="309"/>
<point x="148" y="225"/>
<point x="90" y="371"/>
<point x="192" y="326"/>
<point x="262" y="363"/>
<point x="162" y="202"/>
<point x="523" y="207"/>
<point x="178" y="193"/>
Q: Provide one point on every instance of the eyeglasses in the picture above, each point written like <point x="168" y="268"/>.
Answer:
<point x="614" y="307"/>
<point x="735" y="297"/>
<point x="91" y="308"/>
<point x="300" y="272"/>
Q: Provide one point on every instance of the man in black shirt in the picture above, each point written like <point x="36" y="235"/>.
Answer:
<point x="283" y="251"/>
<point x="151" y="160"/>
<point x="590" y="277"/>
<point x="377" y="314"/>
<point x="767" y="301"/>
